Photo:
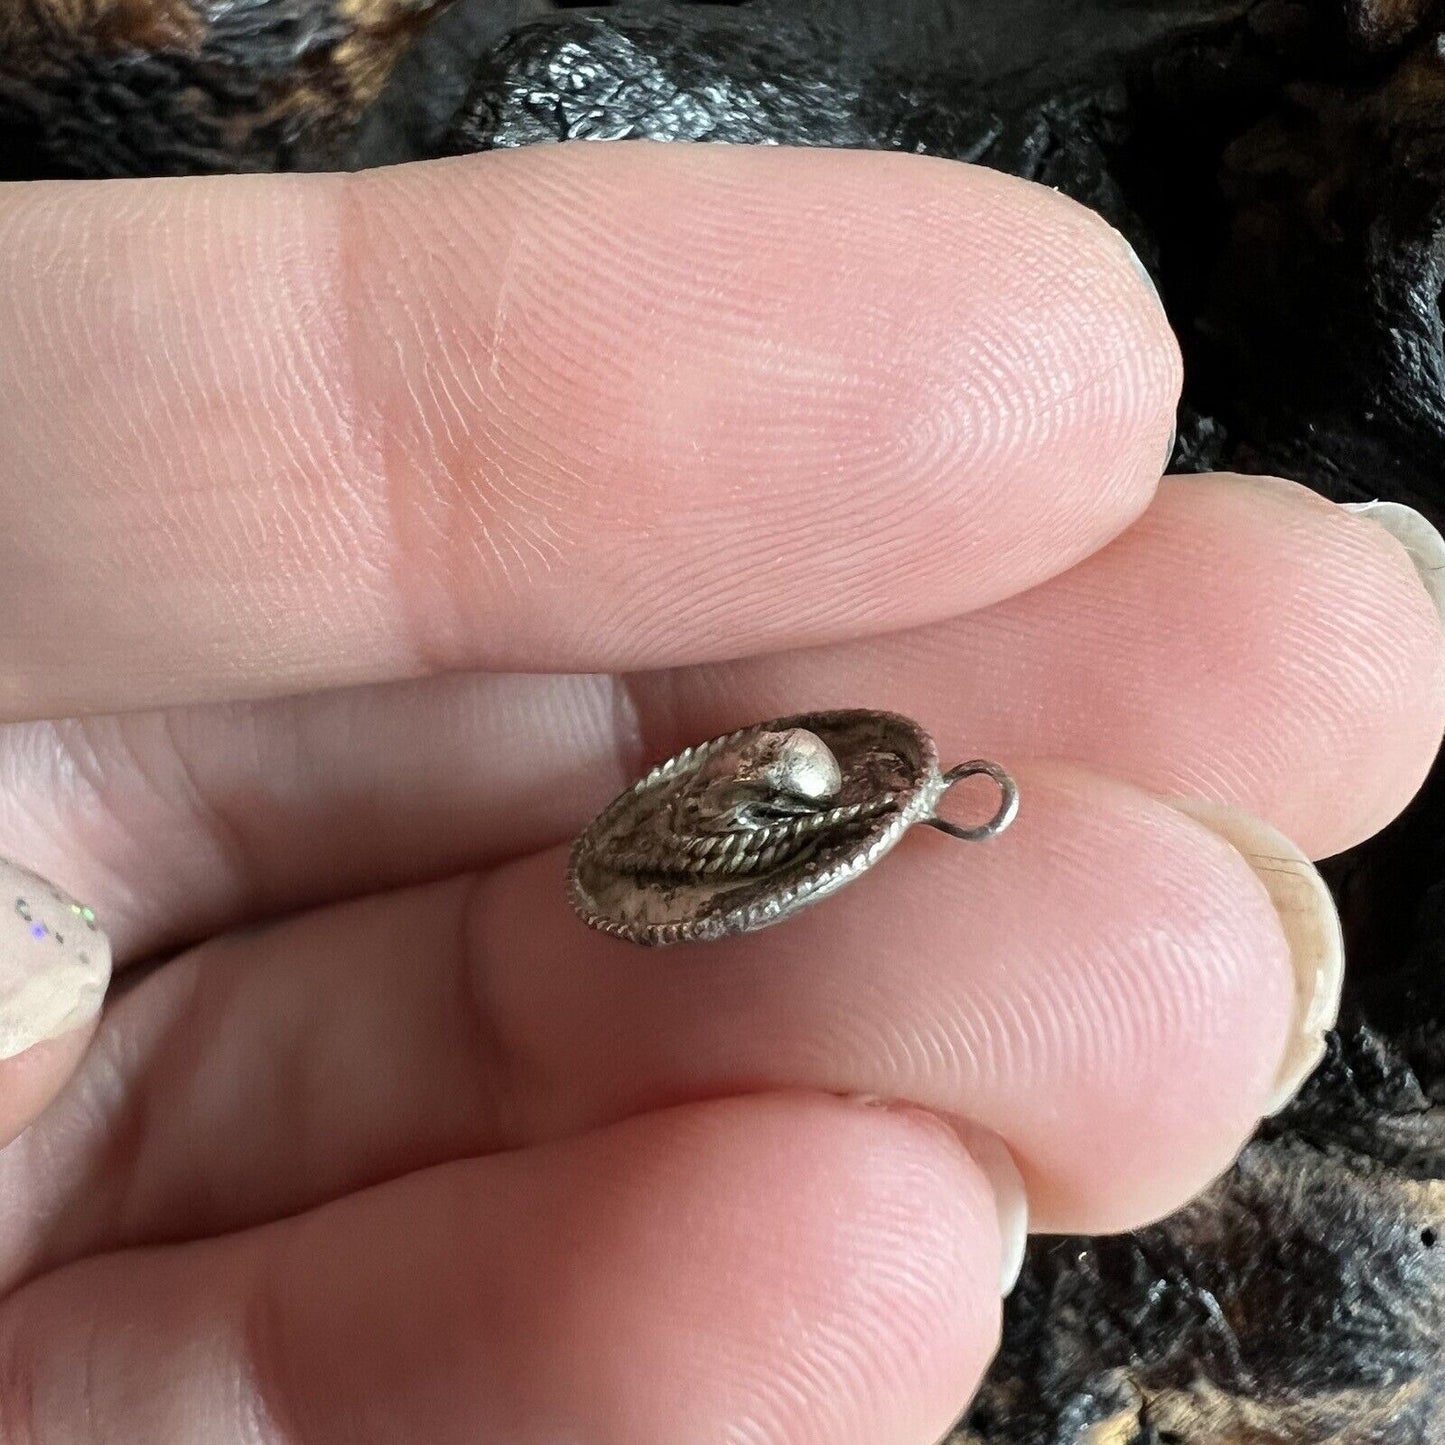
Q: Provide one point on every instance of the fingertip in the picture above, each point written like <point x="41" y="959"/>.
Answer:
<point x="31" y="1079"/>
<point x="1190" y="1044"/>
<point x="55" y="965"/>
<point x="920" y="386"/>
<point x="1329" y="624"/>
<point x="1107" y="987"/>
<point x="849" y="1256"/>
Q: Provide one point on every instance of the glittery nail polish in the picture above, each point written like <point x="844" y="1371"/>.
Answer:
<point x="54" y="961"/>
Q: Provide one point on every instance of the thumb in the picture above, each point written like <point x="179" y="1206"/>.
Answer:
<point x="54" y="968"/>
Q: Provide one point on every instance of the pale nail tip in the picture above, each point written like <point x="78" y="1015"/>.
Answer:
<point x="1329" y="991"/>
<point x="1012" y="1264"/>
<point x="1311" y="924"/>
<point x="1137" y="262"/>
<point x="1303" y="1059"/>
<point x="1419" y="537"/>
<point x="55" y="961"/>
<point x="1011" y="1200"/>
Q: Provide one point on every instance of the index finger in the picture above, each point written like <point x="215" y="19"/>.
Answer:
<point x="578" y="408"/>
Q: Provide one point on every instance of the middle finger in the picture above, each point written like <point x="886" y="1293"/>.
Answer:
<point x="1246" y="642"/>
<point x="1109" y="987"/>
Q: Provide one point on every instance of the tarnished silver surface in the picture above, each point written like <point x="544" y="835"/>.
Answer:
<point x="741" y="832"/>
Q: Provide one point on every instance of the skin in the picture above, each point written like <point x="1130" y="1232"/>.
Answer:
<point x="392" y="524"/>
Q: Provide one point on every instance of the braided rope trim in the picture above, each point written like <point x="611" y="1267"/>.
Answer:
<point x="747" y="850"/>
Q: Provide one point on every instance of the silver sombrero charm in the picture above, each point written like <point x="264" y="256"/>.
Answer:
<point x="742" y="832"/>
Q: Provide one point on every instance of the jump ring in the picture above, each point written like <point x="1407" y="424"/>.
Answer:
<point x="1008" y="802"/>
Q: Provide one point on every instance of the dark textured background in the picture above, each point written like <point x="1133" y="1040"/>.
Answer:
<point x="1281" y="168"/>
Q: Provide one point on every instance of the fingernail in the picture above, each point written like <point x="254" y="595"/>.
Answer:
<point x="1147" y="276"/>
<point x="1135" y="260"/>
<point x="1010" y="1197"/>
<point x="54" y="961"/>
<point x="1419" y="537"/>
<point x="1311" y="926"/>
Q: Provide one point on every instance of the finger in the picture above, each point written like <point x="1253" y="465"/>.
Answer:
<point x="1107" y="987"/>
<point x="54" y="967"/>
<point x="1245" y="642"/>
<point x="30" y="1080"/>
<point x="574" y="408"/>
<point x="787" y="1270"/>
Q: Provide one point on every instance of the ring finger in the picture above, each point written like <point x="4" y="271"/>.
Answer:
<point x="1110" y="987"/>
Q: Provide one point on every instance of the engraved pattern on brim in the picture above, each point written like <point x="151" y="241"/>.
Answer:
<point x="711" y="843"/>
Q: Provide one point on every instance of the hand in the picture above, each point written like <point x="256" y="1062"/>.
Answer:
<point x="368" y="534"/>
